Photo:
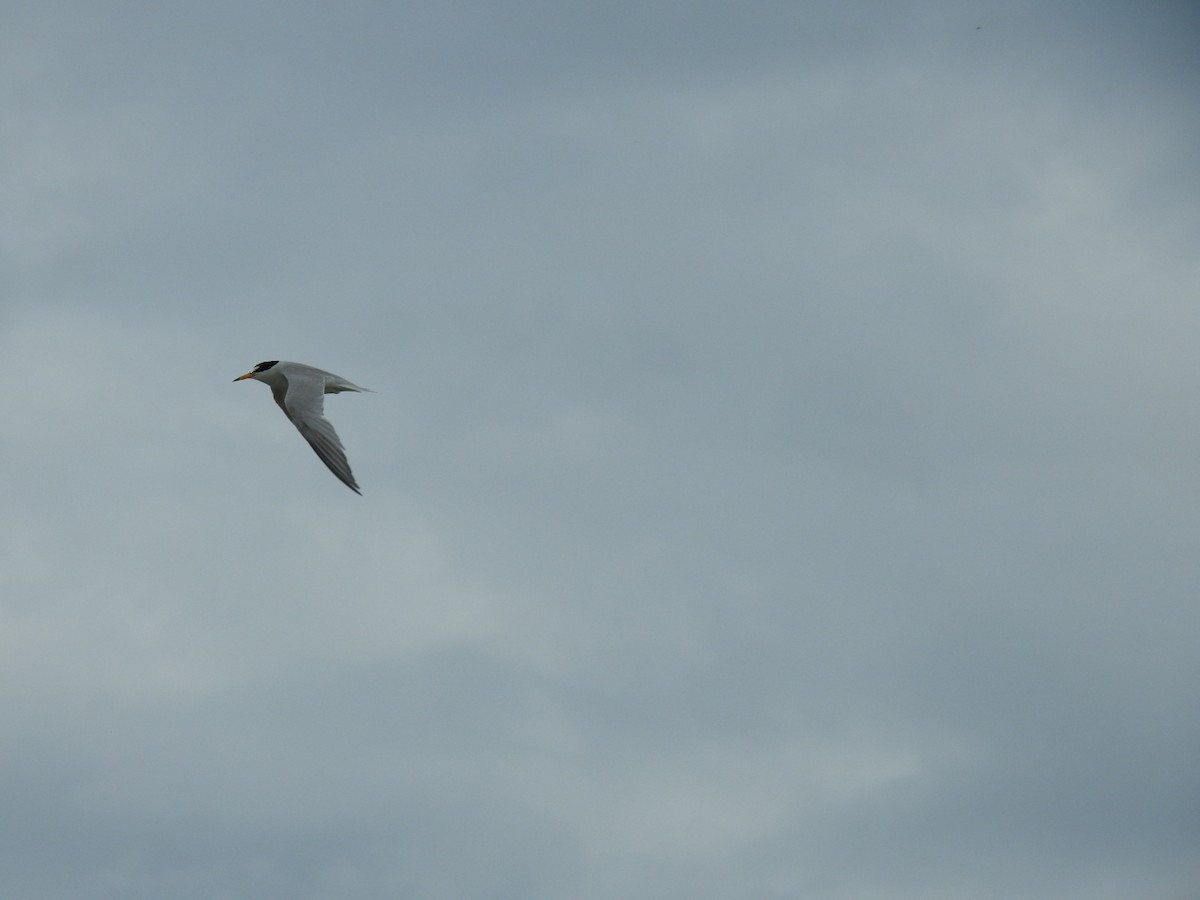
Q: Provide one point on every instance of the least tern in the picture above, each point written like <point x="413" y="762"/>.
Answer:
<point x="300" y="392"/>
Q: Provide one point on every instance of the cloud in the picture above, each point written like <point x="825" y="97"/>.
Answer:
<point x="779" y="482"/>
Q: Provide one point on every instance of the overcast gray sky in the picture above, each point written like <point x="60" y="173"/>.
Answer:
<point x="782" y="482"/>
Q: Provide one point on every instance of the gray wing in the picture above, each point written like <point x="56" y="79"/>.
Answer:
<point x="303" y="401"/>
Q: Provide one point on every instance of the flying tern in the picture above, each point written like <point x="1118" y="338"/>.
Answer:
<point x="300" y="392"/>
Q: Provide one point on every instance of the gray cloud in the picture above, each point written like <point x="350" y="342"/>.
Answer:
<point x="780" y="481"/>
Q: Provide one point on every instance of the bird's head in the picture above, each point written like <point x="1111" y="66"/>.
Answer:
<point x="258" y="370"/>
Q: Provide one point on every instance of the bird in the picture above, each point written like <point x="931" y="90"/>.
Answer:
<point x="300" y="392"/>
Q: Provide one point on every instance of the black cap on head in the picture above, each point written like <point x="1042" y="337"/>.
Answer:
<point x="263" y="366"/>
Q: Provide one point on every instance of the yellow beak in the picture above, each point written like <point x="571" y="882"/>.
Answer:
<point x="249" y="374"/>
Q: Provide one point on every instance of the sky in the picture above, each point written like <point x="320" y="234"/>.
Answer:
<point x="781" y="482"/>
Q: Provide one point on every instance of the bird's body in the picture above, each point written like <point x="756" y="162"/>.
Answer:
<point x="300" y="392"/>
